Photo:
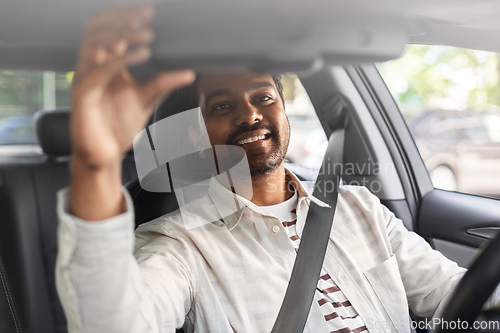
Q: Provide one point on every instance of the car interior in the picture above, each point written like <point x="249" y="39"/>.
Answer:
<point x="456" y="224"/>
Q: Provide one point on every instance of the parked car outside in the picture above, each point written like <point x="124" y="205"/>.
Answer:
<point x="461" y="149"/>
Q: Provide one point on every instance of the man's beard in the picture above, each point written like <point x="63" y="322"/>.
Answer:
<point x="261" y="162"/>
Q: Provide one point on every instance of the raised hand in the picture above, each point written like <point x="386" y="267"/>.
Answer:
<point x="109" y="107"/>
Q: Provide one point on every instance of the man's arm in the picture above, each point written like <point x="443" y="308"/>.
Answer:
<point x="99" y="282"/>
<point x="428" y="276"/>
<point x="104" y="289"/>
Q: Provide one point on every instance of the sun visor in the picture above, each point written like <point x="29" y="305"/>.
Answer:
<point x="272" y="36"/>
<point x="278" y="35"/>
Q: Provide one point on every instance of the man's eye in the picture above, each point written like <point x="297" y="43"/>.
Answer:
<point x="264" y="98"/>
<point x="221" y="107"/>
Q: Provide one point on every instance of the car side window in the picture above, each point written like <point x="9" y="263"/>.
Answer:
<point x="22" y="93"/>
<point x="450" y="99"/>
<point x="308" y="140"/>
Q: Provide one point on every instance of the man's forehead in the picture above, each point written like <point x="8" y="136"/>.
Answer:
<point x="208" y="83"/>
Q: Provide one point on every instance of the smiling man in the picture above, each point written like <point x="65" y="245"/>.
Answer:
<point x="247" y="109"/>
<point x="230" y="273"/>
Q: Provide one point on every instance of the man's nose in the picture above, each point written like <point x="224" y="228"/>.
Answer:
<point x="248" y="113"/>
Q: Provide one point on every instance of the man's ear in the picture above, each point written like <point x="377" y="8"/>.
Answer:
<point x="194" y="139"/>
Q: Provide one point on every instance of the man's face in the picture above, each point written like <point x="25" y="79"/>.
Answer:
<point x="245" y="109"/>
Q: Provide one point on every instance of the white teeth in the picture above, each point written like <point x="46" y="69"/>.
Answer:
<point x="255" y="138"/>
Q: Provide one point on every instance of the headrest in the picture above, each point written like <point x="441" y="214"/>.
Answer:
<point x="52" y="130"/>
<point x="52" y="126"/>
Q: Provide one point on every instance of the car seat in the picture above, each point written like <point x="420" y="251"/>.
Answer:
<point x="151" y="205"/>
<point x="28" y="223"/>
<point x="9" y="318"/>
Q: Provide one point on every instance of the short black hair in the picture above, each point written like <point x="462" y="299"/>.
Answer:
<point x="279" y="86"/>
<point x="187" y="98"/>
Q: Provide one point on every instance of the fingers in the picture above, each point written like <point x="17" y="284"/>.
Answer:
<point x="122" y="18"/>
<point x="110" y="36"/>
<point x="164" y="83"/>
<point x="117" y="37"/>
<point x="114" y="41"/>
<point x="110" y="68"/>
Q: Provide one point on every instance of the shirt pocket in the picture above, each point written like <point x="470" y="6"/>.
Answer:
<point x="385" y="280"/>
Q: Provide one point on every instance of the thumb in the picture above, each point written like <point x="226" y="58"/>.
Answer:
<point x="164" y="83"/>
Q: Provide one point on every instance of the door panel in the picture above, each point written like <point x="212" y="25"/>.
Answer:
<point x="451" y="216"/>
<point x="461" y="254"/>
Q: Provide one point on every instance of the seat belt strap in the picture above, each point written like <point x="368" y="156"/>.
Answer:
<point x="306" y="270"/>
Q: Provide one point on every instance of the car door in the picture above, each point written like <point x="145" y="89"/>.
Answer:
<point x="454" y="223"/>
<point x="387" y="161"/>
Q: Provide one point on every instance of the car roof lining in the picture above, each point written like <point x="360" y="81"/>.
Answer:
<point x="44" y="35"/>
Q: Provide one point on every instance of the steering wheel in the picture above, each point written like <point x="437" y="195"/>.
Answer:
<point x="472" y="292"/>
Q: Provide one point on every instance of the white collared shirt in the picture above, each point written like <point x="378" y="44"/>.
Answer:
<point x="229" y="273"/>
<point x="338" y="312"/>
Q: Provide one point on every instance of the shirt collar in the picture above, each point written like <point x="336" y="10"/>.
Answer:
<point x="303" y="193"/>
<point x="230" y="206"/>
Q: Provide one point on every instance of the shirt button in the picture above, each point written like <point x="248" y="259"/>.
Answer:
<point x="276" y="229"/>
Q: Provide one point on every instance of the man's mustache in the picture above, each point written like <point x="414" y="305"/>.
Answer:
<point x="242" y="129"/>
